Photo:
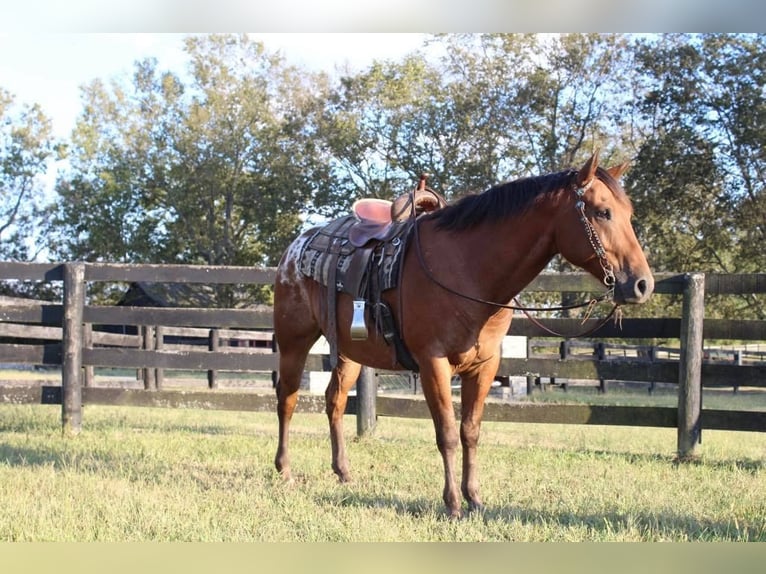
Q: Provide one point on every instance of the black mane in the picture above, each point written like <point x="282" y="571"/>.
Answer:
<point x="504" y="200"/>
<point x="513" y="198"/>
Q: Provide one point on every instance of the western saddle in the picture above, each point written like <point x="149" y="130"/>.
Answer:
<point x="361" y="254"/>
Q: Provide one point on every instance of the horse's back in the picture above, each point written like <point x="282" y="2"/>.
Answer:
<point x="294" y="293"/>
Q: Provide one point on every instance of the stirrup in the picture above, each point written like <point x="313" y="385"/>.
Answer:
<point x="358" y="326"/>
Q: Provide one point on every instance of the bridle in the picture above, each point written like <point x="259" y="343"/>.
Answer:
<point x="598" y="248"/>
<point x="609" y="280"/>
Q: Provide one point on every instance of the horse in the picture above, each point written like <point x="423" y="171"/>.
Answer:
<point x="466" y="261"/>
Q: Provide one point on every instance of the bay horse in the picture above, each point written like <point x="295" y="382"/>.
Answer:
<point x="484" y="247"/>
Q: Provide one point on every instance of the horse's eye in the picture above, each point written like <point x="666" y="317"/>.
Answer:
<point x="604" y="214"/>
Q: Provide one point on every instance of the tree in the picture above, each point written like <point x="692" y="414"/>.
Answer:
<point x="699" y="175"/>
<point x="26" y="146"/>
<point x="538" y="104"/>
<point x="214" y="167"/>
<point x="376" y="128"/>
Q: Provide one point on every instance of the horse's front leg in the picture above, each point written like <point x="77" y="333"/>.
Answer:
<point x="474" y="389"/>
<point x="343" y="377"/>
<point x="435" y="380"/>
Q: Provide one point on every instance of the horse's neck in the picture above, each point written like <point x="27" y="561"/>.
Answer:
<point x="500" y="259"/>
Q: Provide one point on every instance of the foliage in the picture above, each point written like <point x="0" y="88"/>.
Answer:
<point x="698" y="181"/>
<point x="224" y="162"/>
<point x="211" y="168"/>
<point x="26" y="145"/>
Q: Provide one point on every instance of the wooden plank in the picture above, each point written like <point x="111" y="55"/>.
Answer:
<point x="244" y="334"/>
<point x="218" y="400"/>
<point x="579" y="282"/>
<point x="46" y="314"/>
<point x="668" y="328"/>
<point x="31" y="271"/>
<point x="49" y="354"/>
<point x="713" y="374"/>
<point x="752" y="421"/>
<point x="732" y="284"/>
<point x="607" y="415"/>
<point x="203" y="344"/>
<point x="734" y="329"/>
<point x="660" y="372"/>
<point x="210" y="274"/>
<point x="665" y="283"/>
<point x="19" y="331"/>
<point x="638" y="328"/>
<point x="204" y="332"/>
<point x="541" y="412"/>
<point x="668" y="283"/>
<point x="30" y="394"/>
<point x="116" y="339"/>
<point x="179" y="317"/>
<point x="192" y="360"/>
<point x="571" y="282"/>
<point x="730" y="375"/>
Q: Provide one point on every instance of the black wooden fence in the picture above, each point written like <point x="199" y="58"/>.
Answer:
<point x="80" y="348"/>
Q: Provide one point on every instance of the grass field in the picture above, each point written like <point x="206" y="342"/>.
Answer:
<point x="138" y="474"/>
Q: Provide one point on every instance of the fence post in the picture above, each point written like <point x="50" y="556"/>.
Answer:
<point x="414" y="377"/>
<point x="366" y="394"/>
<point x="159" y="345"/>
<point x="274" y="349"/>
<point x="148" y="374"/>
<point x="71" y="360"/>
<point x="87" y="343"/>
<point x="213" y="344"/>
<point x="530" y="384"/>
<point x="690" y="366"/>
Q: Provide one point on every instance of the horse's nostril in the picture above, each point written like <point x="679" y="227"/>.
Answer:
<point x="643" y="288"/>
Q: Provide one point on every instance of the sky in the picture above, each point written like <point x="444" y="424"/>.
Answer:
<point x="49" y="68"/>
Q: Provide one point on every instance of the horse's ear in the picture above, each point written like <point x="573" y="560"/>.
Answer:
<point x="617" y="171"/>
<point x="588" y="171"/>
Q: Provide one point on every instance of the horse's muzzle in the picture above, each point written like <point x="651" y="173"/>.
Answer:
<point x="634" y="289"/>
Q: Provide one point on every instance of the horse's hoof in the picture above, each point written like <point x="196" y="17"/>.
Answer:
<point x="344" y="477"/>
<point x="286" y="476"/>
<point x="455" y="514"/>
<point x="343" y="474"/>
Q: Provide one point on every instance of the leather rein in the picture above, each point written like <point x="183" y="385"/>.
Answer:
<point x="598" y="248"/>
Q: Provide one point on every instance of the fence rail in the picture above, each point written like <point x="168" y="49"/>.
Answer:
<point x="67" y="334"/>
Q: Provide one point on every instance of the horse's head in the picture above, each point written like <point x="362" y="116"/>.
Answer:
<point x="594" y="232"/>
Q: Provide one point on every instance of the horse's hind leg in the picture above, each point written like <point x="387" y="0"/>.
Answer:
<point x="343" y="377"/>
<point x="292" y="358"/>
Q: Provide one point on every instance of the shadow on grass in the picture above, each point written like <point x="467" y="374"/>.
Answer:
<point x="751" y="466"/>
<point x="598" y="526"/>
<point x="30" y="456"/>
<point x="612" y="524"/>
<point x="645" y="525"/>
<point x="414" y="508"/>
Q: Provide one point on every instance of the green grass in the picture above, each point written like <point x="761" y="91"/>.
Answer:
<point x="138" y="474"/>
